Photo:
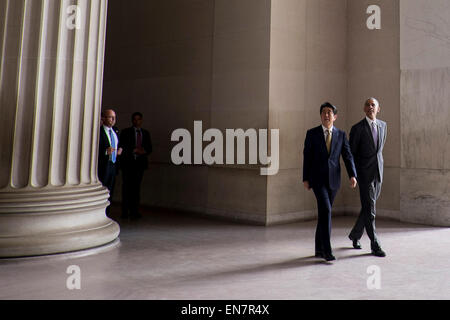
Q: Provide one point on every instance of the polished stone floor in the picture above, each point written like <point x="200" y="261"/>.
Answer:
<point x="177" y="256"/>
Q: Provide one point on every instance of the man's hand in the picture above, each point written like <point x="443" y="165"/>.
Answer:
<point x="353" y="182"/>
<point x="306" y="184"/>
<point x="109" y="151"/>
<point x="119" y="152"/>
<point x="139" y="151"/>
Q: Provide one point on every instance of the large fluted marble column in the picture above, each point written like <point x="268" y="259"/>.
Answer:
<point x="51" y="73"/>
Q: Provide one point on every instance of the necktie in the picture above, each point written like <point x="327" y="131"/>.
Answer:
<point x="138" y="138"/>
<point x="113" y="145"/>
<point x="328" y="141"/>
<point x="375" y="134"/>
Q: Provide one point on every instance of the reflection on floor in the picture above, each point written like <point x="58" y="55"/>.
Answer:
<point x="175" y="256"/>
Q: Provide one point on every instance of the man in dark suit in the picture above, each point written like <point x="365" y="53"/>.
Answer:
<point x="108" y="152"/>
<point x="367" y="139"/>
<point x="137" y="145"/>
<point x="324" y="145"/>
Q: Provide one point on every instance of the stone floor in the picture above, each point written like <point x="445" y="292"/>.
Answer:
<point x="174" y="256"/>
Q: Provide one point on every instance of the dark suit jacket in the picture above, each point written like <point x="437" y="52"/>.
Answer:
<point x="368" y="159"/>
<point x="319" y="169"/>
<point x="127" y="142"/>
<point x="104" y="144"/>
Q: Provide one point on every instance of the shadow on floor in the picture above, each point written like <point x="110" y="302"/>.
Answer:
<point x="252" y="270"/>
<point x="357" y="253"/>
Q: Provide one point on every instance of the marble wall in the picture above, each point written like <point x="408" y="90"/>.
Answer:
<point x="425" y="130"/>
<point x="159" y="62"/>
<point x="307" y="67"/>
<point x="180" y="61"/>
<point x="373" y="71"/>
<point x="239" y="99"/>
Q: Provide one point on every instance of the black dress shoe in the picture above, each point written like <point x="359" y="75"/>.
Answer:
<point x="376" y="249"/>
<point x="356" y="243"/>
<point x="319" y="254"/>
<point x="378" y="252"/>
<point x="328" y="257"/>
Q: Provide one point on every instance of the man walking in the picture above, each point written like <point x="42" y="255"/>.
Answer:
<point x="367" y="139"/>
<point x="323" y="148"/>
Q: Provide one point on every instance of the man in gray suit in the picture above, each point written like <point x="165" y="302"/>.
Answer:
<point x="367" y="139"/>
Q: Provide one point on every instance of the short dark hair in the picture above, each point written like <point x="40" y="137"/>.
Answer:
<point x="328" y="105"/>
<point x="136" y="114"/>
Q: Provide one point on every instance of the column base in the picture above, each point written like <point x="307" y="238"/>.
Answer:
<point x="46" y="221"/>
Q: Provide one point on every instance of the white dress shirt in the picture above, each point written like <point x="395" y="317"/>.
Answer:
<point x="325" y="132"/>
<point x="370" y="121"/>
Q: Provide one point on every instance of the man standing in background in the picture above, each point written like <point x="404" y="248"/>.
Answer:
<point x="137" y="145"/>
<point x="108" y="152"/>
